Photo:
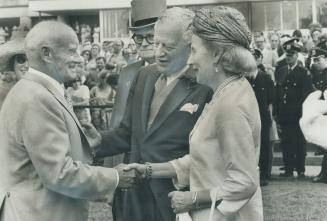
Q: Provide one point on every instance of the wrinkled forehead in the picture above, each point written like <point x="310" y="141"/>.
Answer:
<point x="169" y="32"/>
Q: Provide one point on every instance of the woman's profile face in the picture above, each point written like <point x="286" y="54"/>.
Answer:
<point x="20" y="65"/>
<point x="202" y="60"/>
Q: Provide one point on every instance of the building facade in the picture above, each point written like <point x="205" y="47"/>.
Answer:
<point x="114" y="17"/>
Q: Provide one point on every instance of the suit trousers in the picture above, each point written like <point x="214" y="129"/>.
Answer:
<point x="293" y="147"/>
<point x="146" y="211"/>
<point x="265" y="160"/>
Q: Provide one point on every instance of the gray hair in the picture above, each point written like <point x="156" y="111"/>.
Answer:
<point x="183" y="16"/>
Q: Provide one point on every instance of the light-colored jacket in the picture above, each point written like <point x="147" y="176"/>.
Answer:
<point x="224" y="154"/>
<point x="44" y="157"/>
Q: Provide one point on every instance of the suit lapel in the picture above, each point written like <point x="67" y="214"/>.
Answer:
<point x="147" y="97"/>
<point x="56" y="94"/>
<point x="173" y="100"/>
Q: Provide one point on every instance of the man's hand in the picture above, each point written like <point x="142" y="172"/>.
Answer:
<point x="93" y="136"/>
<point x="139" y="168"/>
<point x="126" y="178"/>
<point x="181" y="201"/>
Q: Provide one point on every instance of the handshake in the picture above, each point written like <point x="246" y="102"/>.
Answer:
<point x="131" y="174"/>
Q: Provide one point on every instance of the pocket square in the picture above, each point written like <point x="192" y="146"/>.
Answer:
<point x="191" y="108"/>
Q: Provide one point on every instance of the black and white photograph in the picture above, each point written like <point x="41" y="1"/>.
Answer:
<point x="163" y="110"/>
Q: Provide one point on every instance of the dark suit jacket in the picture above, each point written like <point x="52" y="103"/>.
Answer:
<point x="165" y="140"/>
<point x="126" y="79"/>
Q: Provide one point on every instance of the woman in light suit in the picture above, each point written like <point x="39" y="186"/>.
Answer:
<point x="221" y="169"/>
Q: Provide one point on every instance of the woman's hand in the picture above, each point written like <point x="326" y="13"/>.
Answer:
<point x="181" y="201"/>
<point x="140" y="169"/>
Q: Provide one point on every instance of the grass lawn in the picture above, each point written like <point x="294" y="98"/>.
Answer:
<point x="295" y="200"/>
<point x="283" y="200"/>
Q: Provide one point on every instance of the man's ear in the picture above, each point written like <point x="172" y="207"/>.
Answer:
<point x="46" y="54"/>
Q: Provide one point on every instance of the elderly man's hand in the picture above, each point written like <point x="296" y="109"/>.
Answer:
<point x="181" y="201"/>
<point x="139" y="168"/>
<point x="126" y="178"/>
<point x="93" y="136"/>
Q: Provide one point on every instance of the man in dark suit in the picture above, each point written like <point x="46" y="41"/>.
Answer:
<point x="263" y="87"/>
<point x="293" y="84"/>
<point x="144" y="15"/>
<point x="162" y="108"/>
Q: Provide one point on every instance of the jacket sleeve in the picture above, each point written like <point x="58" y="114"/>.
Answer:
<point x="49" y="147"/>
<point x="235" y="136"/>
<point x="118" y="140"/>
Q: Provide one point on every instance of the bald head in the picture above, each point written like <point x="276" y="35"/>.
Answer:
<point x="49" y="34"/>
<point x="51" y="47"/>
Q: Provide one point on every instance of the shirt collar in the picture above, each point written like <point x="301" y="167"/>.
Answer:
<point x="53" y="82"/>
<point x="176" y="75"/>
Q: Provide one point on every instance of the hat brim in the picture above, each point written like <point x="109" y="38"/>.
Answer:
<point x="147" y="26"/>
<point x="9" y="50"/>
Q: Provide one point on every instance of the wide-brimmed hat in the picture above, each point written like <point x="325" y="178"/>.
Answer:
<point x="8" y="50"/>
<point x="145" y="13"/>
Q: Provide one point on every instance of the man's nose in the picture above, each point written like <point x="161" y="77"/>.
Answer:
<point x="159" y="51"/>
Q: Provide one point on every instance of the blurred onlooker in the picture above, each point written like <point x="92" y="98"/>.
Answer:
<point x="13" y="65"/>
<point x="263" y="87"/>
<point x="102" y="94"/>
<point x="96" y="35"/>
<point x="86" y="54"/>
<point x="316" y="31"/>
<point x="307" y="42"/>
<point x="117" y="58"/>
<point x="100" y="63"/>
<point x="95" y="51"/>
<point x="129" y="56"/>
<point x="3" y="35"/>
<point x="270" y="57"/>
<point x="80" y="95"/>
<point x="106" y="50"/>
<point x="91" y="78"/>
<point x="274" y="41"/>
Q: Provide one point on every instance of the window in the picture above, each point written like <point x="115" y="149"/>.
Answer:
<point x="289" y="15"/>
<point x="116" y="23"/>
<point x="266" y="16"/>
<point x="5" y="3"/>
<point x="305" y="14"/>
<point x="322" y="12"/>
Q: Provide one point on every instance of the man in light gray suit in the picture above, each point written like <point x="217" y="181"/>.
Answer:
<point x="44" y="155"/>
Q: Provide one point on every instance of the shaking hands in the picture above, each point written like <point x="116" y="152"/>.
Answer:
<point x="131" y="174"/>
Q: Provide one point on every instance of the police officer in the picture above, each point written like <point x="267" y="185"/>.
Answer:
<point x="263" y="87"/>
<point x="293" y="84"/>
<point x="319" y="58"/>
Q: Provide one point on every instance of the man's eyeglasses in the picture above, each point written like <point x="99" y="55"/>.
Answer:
<point x="21" y="58"/>
<point x="138" y="39"/>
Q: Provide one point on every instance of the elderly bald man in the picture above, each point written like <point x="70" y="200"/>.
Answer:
<point x="44" y="155"/>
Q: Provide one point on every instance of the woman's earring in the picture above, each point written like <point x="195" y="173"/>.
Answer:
<point x="216" y="70"/>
